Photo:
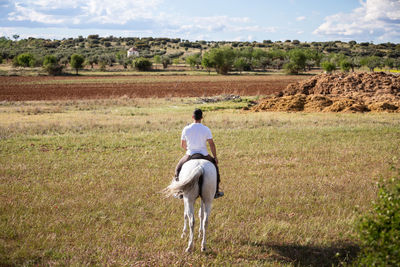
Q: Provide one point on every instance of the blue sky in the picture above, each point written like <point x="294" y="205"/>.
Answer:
<point x="253" y="20"/>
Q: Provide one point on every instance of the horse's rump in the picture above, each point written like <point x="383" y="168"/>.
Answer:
<point x="186" y="183"/>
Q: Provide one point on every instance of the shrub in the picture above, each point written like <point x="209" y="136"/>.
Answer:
<point x="345" y="65"/>
<point x="165" y="60"/>
<point x="25" y="60"/>
<point x="194" y="60"/>
<point x="379" y="230"/>
<point x="142" y="64"/>
<point x="50" y="64"/>
<point x="291" y="68"/>
<point x="328" y="66"/>
<point x="77" y="62"/>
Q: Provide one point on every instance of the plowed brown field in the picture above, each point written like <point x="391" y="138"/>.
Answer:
<point x="95" y="87"/>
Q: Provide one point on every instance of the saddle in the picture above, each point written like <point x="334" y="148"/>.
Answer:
<point x="198" y="156"/>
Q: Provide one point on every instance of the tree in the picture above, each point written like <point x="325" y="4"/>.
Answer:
<point x="221" y="59"/>
<point x="165" y="60"/>
<point x="328" y="66"/>
<point x="50" y="64"/>
<point x="297" y="61"/>
<point x="206" y="63"/>
<point x="77" y="62"/>
<point x="371" y="62"/>
<point x="241" y="63"/>
<point x="142" y="64"/>
<point x="194" y="60"/>
<point x="16" y="37"/>
<point x="91" y="60"/>
<point x="25" y="60"/>
<point x="345" y="65"/>
<point x="389" y="62"/>
<point x="157" y="59"/>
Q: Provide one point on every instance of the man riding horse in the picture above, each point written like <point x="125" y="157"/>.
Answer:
<point x="194" y="140"/>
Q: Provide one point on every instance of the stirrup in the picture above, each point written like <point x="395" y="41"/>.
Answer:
<point x="219" y="194"/>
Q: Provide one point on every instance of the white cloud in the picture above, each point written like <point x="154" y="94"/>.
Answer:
<point x="374" y="20"/>
<point x="91" y="11"/>
<point x="146" y="16"/>
<point x="119" y="12"/>
<point x="22" y="13"/>
<point x="301" y="18"/>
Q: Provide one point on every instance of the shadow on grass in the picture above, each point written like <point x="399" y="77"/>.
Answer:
<point x="298" y="255"/>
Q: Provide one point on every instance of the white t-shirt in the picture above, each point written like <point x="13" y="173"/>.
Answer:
<point x="196" y="136"/>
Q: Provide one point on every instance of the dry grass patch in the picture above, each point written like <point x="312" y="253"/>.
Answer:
<point x="81" y="187"/>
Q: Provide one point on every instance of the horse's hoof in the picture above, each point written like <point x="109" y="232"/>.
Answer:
<point x="188" y="250"/>
<point x="203" y="249"/>
<point x="183" y="235"/>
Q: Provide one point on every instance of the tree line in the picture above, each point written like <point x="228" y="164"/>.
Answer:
<point x="292" y="56"/>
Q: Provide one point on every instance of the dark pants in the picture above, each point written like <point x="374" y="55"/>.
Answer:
<point x="196" y="156"/>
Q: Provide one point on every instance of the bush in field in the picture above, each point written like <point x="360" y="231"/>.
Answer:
<point x="379" y="230"/>
<point x="77" y="62"/>
<point x="165" y="60"/>
<point x="50" y="64"/>
<point x="1" y="60"/>
<point x="345" y="65"/>
<point x="194" y="60"/>
<point x="25" y="60"/>
<point x="328" y="66"/>
<point x="142" y="64"/>
<point x="291" y="68"/>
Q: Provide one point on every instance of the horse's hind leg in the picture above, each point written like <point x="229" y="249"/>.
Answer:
<point x="190" y="214"/>
<point x="201" y="212"/>
<point x="185" y="219"/>
<point x="207" y="211"/>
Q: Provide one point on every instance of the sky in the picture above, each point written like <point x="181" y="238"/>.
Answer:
<point x="376" y="21"/>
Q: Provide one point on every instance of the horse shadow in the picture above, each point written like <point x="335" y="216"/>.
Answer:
<point x="299" y="255"/>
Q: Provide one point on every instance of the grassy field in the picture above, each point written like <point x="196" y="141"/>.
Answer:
<point x="80" y="182"/>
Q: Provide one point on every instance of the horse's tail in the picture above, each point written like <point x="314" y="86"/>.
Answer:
<point x="184" y="185"/>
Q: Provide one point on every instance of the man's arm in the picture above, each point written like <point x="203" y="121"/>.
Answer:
<point x="183" y="144"/>
<point x="213" y="149"/>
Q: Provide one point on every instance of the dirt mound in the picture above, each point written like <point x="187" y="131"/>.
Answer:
<point x="355" y="92"/>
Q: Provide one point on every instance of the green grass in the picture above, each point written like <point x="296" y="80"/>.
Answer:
<point x="80" y="182"/>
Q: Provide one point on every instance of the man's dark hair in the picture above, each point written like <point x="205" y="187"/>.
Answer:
<point x="197" y="114"/>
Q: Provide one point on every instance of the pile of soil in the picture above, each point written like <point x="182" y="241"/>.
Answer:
<point x="354" y="92"/>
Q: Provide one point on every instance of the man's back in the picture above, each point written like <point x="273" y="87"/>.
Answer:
<point x="196" y="136"/>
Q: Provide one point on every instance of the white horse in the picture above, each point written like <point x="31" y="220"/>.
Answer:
<point x="189" y="184"/>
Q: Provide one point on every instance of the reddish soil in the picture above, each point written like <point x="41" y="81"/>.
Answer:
<point x="355" y="92"/>
<point x="63" y="88"/>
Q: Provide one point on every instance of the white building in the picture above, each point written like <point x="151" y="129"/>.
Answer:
<point x="132" y="52"/>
